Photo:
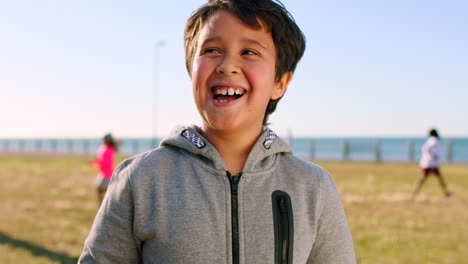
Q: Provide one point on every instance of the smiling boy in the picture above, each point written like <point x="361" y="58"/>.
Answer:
<point x="229" y="191"/>
<point x="234" y="77"/>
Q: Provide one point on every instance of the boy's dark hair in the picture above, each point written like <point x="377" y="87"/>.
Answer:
<point x="287" y="37"/>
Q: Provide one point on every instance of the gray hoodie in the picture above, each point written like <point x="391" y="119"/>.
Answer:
<point x="178" y="204"/>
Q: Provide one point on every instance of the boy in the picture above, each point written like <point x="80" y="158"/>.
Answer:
<point x="229" y="191"/>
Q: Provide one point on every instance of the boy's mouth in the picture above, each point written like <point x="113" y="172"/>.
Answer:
<point x="224" y="94"/>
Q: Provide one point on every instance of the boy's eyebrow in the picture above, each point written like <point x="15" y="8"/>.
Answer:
<point x="254" y="41"/>
<point x="212" y="39"/>
<point x="247" y="40"/>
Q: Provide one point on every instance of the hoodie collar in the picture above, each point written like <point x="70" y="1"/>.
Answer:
<point x="261" y="157"/>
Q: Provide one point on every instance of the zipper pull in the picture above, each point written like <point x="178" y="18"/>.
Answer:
<point x="234" y="181"/>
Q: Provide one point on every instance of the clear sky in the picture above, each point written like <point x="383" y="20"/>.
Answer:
<point x="371" y="68"/>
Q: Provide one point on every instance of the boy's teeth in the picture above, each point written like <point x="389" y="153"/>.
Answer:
<point x="229" y="91"/>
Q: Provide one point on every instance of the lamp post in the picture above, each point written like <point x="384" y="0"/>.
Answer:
<point x="157" y="47"/>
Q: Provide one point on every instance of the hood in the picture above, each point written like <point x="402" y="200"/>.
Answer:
<point x="261" y="157"/>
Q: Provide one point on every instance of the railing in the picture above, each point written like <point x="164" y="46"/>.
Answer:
<point x="452" y="151"/>
<point x="378" y="150"/>
<point x="85" y="146"/>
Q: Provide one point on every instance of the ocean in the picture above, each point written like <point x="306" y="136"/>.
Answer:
<point x="377" y="149"/>
<point x="360" y="149"/>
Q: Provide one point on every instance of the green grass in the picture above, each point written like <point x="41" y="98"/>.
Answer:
<point x="47" y="205"/>
<point x="388" y="226"/>
<point x="48" y="202"/>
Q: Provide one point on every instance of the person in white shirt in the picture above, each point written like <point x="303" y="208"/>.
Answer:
<point x="430" y="162"/>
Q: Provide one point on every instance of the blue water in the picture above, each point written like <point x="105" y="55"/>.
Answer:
<point x="384" y="149"/>
<point x="367" y="149"/>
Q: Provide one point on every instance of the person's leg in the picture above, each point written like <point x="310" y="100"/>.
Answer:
<point x="101" y="193"/>
<point x="442" y="183"/>
<point x="420" y="183"/>
<point x="101" y="185"/>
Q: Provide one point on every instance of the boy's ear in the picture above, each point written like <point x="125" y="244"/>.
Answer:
<point x="281" y="86"/>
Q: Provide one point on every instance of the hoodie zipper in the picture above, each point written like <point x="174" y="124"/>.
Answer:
<point x="234" y="180"/>
<point x="284" y="227"/>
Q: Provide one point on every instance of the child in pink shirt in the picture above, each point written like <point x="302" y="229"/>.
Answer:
<point x="105" y="163"/>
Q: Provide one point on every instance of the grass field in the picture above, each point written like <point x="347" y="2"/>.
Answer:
<point x="48" y="202"/>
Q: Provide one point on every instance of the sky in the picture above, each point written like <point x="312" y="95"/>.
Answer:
<point x="371" y="69"/>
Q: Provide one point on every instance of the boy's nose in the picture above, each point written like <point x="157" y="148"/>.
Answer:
<point x="228" y="66"/>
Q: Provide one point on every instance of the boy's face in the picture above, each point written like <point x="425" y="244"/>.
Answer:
<point x="233" y="74"/>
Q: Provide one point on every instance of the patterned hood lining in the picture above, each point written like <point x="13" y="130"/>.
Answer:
<point x="261" y="157"/>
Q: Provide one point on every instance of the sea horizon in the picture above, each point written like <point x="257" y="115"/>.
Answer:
<point x="399" y="149"/>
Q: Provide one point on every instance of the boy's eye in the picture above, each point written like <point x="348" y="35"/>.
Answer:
<point x="249" y="52"/>
<point x="211" y="50"/>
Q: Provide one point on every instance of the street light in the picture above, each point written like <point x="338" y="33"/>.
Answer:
<point x="157" y="46"/>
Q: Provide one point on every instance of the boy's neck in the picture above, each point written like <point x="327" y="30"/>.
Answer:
<point x="233" y="146"/>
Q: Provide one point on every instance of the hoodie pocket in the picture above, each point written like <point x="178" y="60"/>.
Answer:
<point x="284" y="227"/>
